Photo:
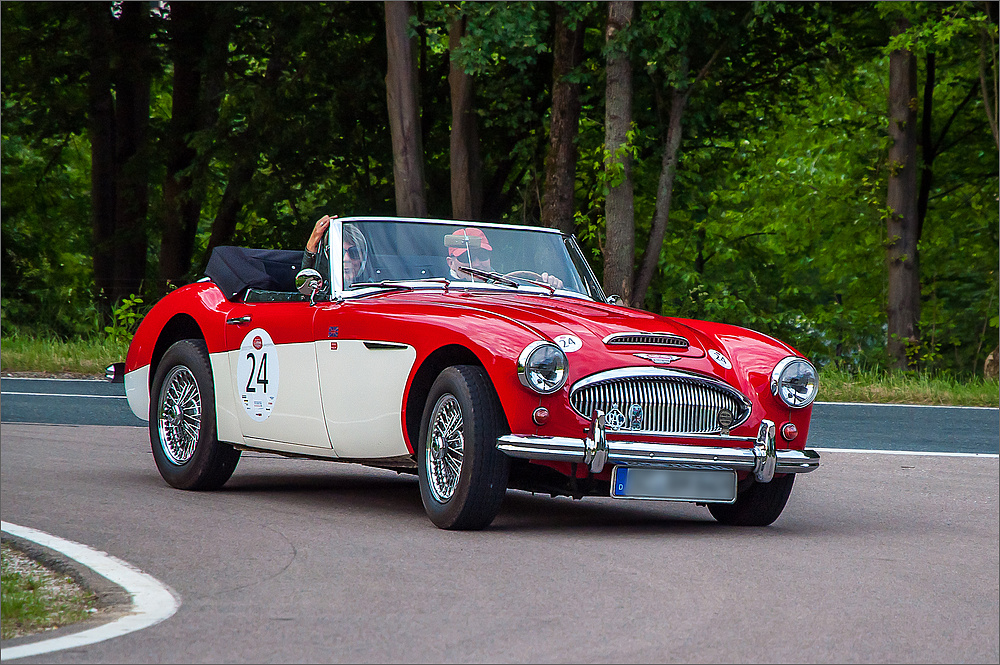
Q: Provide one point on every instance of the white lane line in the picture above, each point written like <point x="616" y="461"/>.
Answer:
<point x="910" y="406"/>
<point x="9" y="392"/>
<point x="905" y="452"/>
<point x="152" y="601"/>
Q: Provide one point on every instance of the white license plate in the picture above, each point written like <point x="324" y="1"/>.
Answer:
<point x="710" y="486"/>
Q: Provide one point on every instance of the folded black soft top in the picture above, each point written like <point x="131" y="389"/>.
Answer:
<point x="234" y="269"/>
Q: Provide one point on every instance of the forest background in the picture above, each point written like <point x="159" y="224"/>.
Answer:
<point x="826" y="173"/>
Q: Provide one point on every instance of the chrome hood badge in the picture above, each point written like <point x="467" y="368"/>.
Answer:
<point x="658" y="358"/>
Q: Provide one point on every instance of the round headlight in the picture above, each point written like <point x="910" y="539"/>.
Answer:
<point x="542" y="367"/>
<point x="794" y="382"/>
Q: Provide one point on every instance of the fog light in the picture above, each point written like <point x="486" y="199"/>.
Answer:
<point x="789" y="431"/>
<point x="540" y="416"/>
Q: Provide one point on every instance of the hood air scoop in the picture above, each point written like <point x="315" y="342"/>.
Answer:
<point x="646" y="339"/>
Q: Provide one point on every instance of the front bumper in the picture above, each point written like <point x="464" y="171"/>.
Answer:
<point x="763" y="459"/>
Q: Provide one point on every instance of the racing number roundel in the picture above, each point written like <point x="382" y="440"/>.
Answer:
<point x="257" y="374"/>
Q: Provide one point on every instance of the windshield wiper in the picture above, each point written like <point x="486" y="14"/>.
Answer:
<point x="488" y="276"/>
<point x="384" y="284"/>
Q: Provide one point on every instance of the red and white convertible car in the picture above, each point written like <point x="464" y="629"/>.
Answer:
<point x="481" y="357"/>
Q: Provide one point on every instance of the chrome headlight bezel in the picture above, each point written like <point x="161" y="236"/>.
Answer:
<point x="528" y="371"/>
<point x="790" y="377"/>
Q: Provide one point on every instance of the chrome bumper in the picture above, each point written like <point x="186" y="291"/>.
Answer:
<point x="597" y="451"/>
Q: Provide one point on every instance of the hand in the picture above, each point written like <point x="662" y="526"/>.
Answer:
<point x="322" y="224"/>
<point x="552" y="280"/>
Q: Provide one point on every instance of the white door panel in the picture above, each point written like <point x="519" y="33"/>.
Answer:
<point x="363" y="386"/>
<point x="296" y="414"/>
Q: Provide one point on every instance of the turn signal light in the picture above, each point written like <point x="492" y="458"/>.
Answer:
<point x="540" y="416"/>
<point x="789" y="431"/>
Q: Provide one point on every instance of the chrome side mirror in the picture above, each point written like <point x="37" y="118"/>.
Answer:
<point x="308" y="282"/>
<point x="614" y="299"/>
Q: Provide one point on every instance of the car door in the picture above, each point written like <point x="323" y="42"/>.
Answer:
<point x="363" y="378"/>
<point x="274" y="374"/>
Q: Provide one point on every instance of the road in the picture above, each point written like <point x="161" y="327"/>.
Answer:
<point x="876" y="558"/>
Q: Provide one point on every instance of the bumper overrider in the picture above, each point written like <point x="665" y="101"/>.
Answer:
<point x="596" y="451"/>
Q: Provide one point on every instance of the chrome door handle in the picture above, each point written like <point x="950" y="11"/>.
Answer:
<point x="235" y="321"/>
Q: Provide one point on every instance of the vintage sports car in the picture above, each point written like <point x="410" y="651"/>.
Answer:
<point x="480" y="357"/>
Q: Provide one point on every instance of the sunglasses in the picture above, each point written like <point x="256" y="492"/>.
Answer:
<point x="478" y="256"/>
<point x="353" y="253"/>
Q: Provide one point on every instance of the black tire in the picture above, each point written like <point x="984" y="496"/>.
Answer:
<point x="187" y="452"/>
<point x="758" y="505"/>
<point x="469" y="498"/>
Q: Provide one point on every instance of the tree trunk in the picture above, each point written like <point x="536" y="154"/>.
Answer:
<point x="560" y="163"/>
<point x="901" y="252"/>
<point x="131" y="121"/>
<point x="101" y="121"/>
<point x="188" y="23"/>
<point x="466" y="182"/>
<point x="926" y="144"/>
<point x="404" y="112"/>
<point x="664" y="191"/>
<point x="619" y="249"/>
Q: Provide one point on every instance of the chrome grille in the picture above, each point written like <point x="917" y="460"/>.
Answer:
<point x="646" y="339"/>
<point x="672" y="401"/>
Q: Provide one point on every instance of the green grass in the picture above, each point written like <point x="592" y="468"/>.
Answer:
<point x="27" y="353"/>
<point x="906" y="388"/>
<point x="35" y="599"/>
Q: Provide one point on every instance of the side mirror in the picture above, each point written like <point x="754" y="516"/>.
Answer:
<point x="614" y="299"/>
<point x="308" y="281"/>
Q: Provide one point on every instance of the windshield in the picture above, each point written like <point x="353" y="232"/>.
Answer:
<point x="464" y="254"/>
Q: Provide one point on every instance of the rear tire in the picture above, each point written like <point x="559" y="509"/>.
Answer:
<point x="182" y="433"/>
<point x="758" y="505"/>
<point x="463" y="477"/>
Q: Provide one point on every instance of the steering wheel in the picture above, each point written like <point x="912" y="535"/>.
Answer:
<point x="526" y="274"/>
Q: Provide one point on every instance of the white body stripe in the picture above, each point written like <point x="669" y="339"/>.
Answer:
<point x="137" y="391"/>
<point x="363" y="396"/>
<point x="227" y="425"/>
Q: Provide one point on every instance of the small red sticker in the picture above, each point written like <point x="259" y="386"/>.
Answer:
<point x="333" y="346"/>
<point x="258" y="342"/>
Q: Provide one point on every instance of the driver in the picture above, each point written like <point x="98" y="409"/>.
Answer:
<point x="477" y="253"/>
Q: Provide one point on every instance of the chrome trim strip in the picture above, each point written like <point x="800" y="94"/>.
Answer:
<point x="636" y="453"/>
<point x="649" y="339"/>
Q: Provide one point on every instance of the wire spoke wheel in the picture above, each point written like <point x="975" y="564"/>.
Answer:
<point x="445" y="448"/>
<point x="179" y="419"/>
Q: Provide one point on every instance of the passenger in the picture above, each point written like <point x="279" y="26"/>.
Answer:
<point x="355" y="251"/>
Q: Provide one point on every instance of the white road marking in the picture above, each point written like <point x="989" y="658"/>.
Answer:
<point x="9" y="392"/>
<point x="904" y="452"/>
<point x="152" y="601"/>
<point x="909" y="406"/>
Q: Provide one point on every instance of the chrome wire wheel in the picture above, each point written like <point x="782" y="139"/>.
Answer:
<point x="445" y="448"/>
<point x="179" y="419"/>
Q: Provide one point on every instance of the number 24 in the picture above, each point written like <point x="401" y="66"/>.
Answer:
<point x="261" y="373"/>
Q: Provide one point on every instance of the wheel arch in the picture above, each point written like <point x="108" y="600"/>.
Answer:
<point x="423" y="378"/>
<point x="180" y="326"/>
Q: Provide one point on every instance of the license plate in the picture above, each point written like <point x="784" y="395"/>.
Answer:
<point x="710" y="486"/>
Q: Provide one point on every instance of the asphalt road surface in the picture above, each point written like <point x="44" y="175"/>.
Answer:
<point x="877" y="557"/>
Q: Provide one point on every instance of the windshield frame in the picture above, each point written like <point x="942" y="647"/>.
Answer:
<point x="336" y="263"/>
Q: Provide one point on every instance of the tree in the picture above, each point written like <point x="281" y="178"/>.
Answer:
<point x="560" y="162"/>
<point x="404" y="111"/>
<point x="620" y="212"/>
<point x="466" y="183"/>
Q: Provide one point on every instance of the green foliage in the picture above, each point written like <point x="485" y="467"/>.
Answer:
<point x="125" y="319"/>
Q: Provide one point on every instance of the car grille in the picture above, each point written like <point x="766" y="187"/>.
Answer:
<point x="664" y="402"/>
<point x="646" y="339"/>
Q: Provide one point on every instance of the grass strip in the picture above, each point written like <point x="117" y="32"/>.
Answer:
<point x="881" y="387"/>
<point x="35" y="599"/>
<point x="50" y="355"/>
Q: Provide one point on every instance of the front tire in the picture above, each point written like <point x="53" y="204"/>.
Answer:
<point x="182" y="433"/>
<point x="758" y="505"/>
<point x="463" y="477"/>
